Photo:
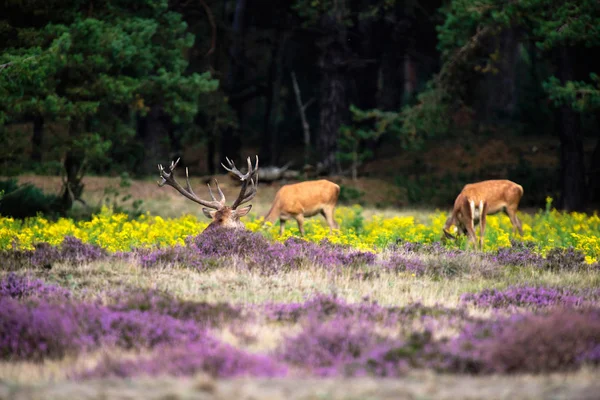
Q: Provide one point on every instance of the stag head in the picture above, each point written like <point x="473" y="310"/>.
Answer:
<point x="221" y="214"/>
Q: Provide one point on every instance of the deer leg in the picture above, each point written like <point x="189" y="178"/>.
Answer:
<point x="300" y="220"/>
<point x="482" y="219"/>
<point x="512" y="214"/>
<point x="469" y="224"/>
<point x="281" y="226"/>
<point x="328" y="214"/>
<point x="470" y="227"/>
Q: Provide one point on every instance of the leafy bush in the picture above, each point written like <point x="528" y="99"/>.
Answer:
<point x="350" y="195"/>
<point x="25" y="200"/>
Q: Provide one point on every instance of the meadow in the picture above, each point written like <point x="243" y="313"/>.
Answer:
<point x="145" y="307"/>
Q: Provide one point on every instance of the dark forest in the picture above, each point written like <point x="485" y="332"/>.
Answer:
<point x="323" y="87"/>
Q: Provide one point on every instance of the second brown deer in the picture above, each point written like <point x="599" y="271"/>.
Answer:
<point x="305" y="199"/>
<point x="477" y="200"/>
<point x="220" y="214"/>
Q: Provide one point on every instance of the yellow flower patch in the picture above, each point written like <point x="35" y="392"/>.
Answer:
<point x="116" y="232"/>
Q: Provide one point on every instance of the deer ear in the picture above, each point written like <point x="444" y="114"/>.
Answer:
<point x="243" y="211"/>
<point x="210" y="214"/>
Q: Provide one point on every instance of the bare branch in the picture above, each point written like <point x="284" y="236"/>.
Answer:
<point x="302" y="109"/>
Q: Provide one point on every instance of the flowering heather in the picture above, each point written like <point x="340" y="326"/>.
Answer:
<point x="518" y="256"/>
<point x="43" y="255"/>
<point x="424" y="248"/>
<point x="158" y="302"/>
<point x="254" y="250"/>
<point x="523" y="296"/>
<point x="329" y="348"/>
<point x="567" y="259"/>
<point x="323" y="307"/>
<point x="205" y="355"/>
<point x="21" y="286"/>
<point x="36" y="331"/>
<point x="400" y="263"/>
<point x="561" y="339"/>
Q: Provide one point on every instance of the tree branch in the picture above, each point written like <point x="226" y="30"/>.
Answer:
<point x="8" y="64"/>
<point x="213" y="28"/>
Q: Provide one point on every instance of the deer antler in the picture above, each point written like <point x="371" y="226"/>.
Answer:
<point x="244" y="197"/>
<point x="169" y="179"/>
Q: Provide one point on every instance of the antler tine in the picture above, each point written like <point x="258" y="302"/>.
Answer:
<point x="187" y="180"/>
<point x="222" y="200"/>
<point x="168" y="178"/>
<point x="233" y="169"/>
<point x="250" y="195"/>
<point x="244" y="197"/>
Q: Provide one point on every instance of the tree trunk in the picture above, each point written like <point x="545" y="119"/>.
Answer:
<point x="73" y="164"/>
<point x="270" y="144"/>
<point x="334" y="107"/>
<point x="573" y="196"/>
<point x="37" y="139"/>
<point x="211" y="150"/>
<point x="231" y="144"/>
<point x="155" y="139"/>
<point x="410" y="76"/>
<point x="594" y="174"/>
<point x="302" y="112"/>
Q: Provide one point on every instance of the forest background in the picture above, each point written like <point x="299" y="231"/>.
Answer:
<point x="425" y="95"/>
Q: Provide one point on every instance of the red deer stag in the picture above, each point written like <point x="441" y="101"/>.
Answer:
<point x="221" y="214"/>
<point x="477" y="200"/>
<point x="304" y="199"/>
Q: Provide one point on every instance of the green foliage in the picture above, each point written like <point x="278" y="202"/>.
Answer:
<point x="311" y="11"/>
<point x="428" y="189"/>
<point x="350" y="195"/>
<point x="539" y="183"/>
<point x="466" y="25"/>
<point x="581" y="96"/>
<point x="25" y="200"/>
<point x="410" y="126"/>
<point x="119" y="202"/>
<point x="95" y="69"/>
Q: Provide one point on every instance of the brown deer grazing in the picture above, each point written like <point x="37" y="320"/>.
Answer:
<point x="221" y="215"/>
<point x="477" y="200"/>
<point x="304" y="199"/>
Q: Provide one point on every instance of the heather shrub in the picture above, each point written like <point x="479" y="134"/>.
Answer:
<point x="22" y="286"/>
<point x="399" y="262"/>
<point x="568" y="259"/>
<point x="158" y="302"/>
<point x="74" y="251"/>
<point x="206" y="355"/>
<point x="395" y="359"/>
<point x="38" y="330"/>
<point x="518" y="255"/>
<point x="321" y="307"/>
<point x="43" y="255"/>
<point x="325" y="306"/>
<point x="456" y="264"/>
<point x="326" y="348"/>
<point x="213" y="248"/>
<point x="562" y="339"/>
<point x="523" y="296"/>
